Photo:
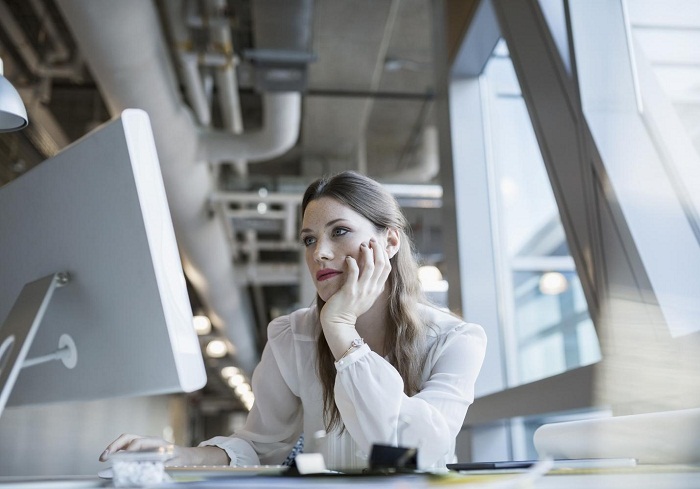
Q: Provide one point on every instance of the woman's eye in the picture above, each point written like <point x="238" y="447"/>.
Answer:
<point x="308" y="240"/>
<point x="340" y="231"/>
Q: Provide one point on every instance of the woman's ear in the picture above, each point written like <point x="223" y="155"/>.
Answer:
<point x="393" y="242"/>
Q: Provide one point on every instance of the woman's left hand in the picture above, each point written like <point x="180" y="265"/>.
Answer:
<point x="180" y="455"/>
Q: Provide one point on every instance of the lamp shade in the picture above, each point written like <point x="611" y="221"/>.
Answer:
<point x="13" y="115"/>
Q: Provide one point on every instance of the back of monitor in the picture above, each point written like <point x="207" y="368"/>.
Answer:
<point x="98" y="211"/>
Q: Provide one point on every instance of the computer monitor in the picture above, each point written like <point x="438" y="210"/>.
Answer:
<point x="95" y="214"/>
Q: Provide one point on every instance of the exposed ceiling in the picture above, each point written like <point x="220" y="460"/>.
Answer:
<point x="368" y="89"/>
<point x="366" y="75"/>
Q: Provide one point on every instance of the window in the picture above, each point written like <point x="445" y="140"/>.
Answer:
<point x="645" y="90"/>
<point x="624" y="168"/>
<point x="545" y="317"/>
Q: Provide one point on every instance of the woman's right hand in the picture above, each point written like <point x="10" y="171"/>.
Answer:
<point x="208" y="455"/>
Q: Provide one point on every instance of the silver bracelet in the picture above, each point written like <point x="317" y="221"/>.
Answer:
<point x="357" y="342"/>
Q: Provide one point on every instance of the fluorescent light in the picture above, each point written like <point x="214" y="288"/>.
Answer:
<point x="217" y="349"/>
<point x="553" y="283"/>
<point x="202" y="325"/>
<point x="228" y="372"/>
<point x="431" y="279"/>
<point x="236" y="380"/>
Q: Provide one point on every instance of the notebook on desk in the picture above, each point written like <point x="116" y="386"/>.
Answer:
<point x="588" y="463"/>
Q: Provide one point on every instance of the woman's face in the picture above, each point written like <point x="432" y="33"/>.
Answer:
<point x="330" y="232"/>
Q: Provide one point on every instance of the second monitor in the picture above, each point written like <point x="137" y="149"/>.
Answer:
<point x="99" y="212"/>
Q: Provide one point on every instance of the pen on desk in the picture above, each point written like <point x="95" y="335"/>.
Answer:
<point x="408" y="455"/>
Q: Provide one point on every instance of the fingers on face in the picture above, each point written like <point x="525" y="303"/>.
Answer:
<point x="369" y="253"/>
<point x="376" y="264"/>
<point x="381" y="256"/>
<point x="353" y="267"/>
<point x="371" y="266"/>
<point x="385" y="261"/>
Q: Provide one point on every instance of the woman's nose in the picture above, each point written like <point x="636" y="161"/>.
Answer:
<point x="323" y="251"/>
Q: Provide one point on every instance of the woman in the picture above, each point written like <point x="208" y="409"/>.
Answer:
<point x="371" y="362"/>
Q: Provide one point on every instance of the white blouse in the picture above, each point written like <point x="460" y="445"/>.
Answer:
<point x="368" y="392"/>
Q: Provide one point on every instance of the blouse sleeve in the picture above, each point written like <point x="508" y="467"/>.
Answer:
<point x="274" y="423"/>
<point x="370" y="397"/>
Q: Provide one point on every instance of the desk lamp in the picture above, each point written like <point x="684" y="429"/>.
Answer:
<point x="13" y="115"/>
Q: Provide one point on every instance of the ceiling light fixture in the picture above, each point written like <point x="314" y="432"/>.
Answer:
<point x="431" y="279"/>
<point x="241" y="389"/>
<point x="236" y="380"/>
<point x="553" y="283"/>
<point x="229" y="371"/>
<point x="13" y="115"/>
<point x="217" y="349"/>
<point x="202" y="325"/>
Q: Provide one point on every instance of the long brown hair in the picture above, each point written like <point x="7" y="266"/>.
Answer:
<point x="405" y="333"/>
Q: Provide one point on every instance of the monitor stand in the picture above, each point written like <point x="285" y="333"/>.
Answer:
<point x="20" y="327"/>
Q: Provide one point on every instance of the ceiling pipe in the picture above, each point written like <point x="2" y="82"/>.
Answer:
<point x="187" y="61"/>
<point x="226" y="77"/>
<point x="281" y="121"/>
<point x="282" y="111"/>
<point x="226" y="73"/>
<point x="30" y="57"/>
<point x="59" y="51"/>
<point x="132" y="68"/>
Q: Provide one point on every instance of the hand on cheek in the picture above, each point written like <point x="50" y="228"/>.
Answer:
<point x="365" y="280"/>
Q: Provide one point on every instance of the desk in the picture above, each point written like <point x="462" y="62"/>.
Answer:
<point x="641" y="477"/>
<point x="621" y="481"/>
<point x="48" y="482"/>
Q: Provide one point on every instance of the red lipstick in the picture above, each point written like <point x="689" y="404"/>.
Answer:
<point x="326" y="273"/>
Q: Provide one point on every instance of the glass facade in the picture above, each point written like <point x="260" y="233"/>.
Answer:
<point x="546" y="323"/>
<point x="588" y="124"/>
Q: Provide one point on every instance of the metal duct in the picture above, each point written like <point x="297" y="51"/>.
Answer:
<point x="281" y="122"/>
<point x="123" y="45"/>
<point x="283" y="48"/>
<point x="283" y="25"/>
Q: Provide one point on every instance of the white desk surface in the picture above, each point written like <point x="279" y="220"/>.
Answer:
<point x="642" y="477"/>
<point x="638" y="479"/>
